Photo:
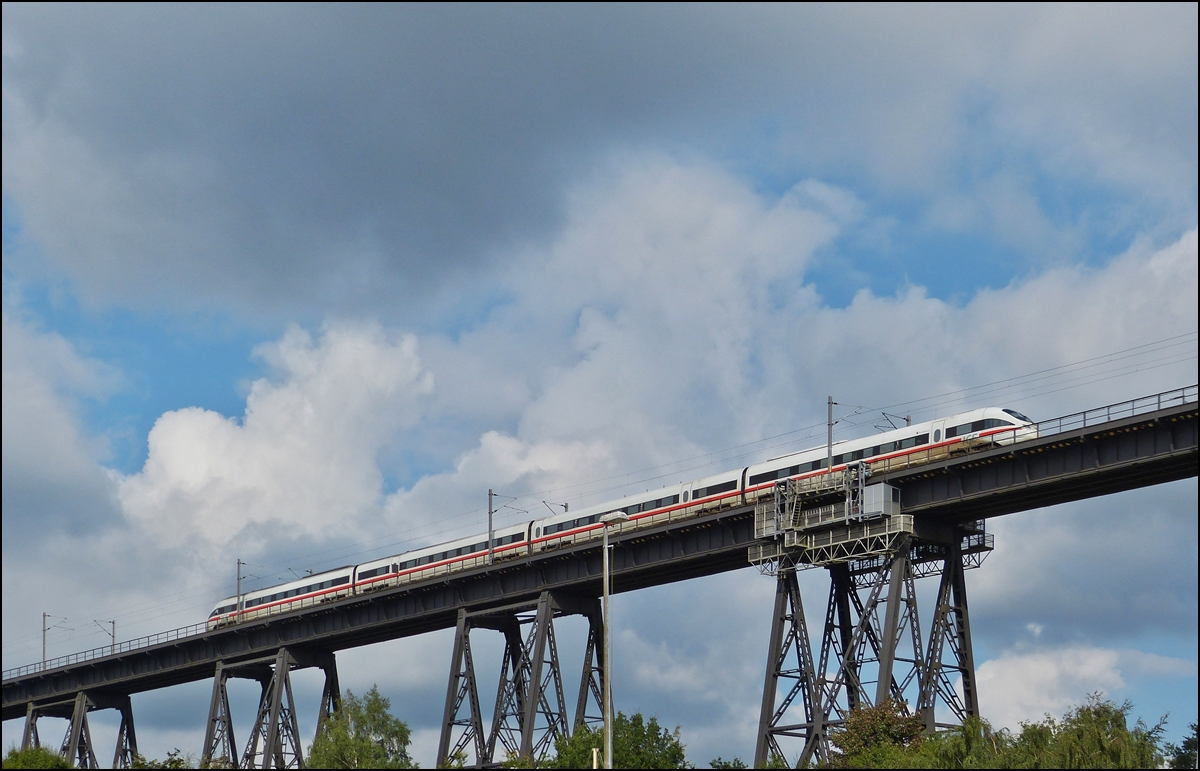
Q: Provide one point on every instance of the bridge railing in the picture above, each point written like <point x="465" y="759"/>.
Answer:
<point x="1127" y="409"/>
<point x="107" y="650"/>
<point x="974" y="444"/>
<point x="1133" y="407"/>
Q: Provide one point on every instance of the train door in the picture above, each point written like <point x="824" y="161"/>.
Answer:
<point x="936" y="431"/>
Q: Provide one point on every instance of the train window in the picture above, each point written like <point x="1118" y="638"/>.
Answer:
<point x="685" y="496"/>
<point x="937" y="434"/>
<point x="922" y="439"/>
<point x="715" y="489"/>
<point x="1019" y="416"/>
<point x="766" y="476"/>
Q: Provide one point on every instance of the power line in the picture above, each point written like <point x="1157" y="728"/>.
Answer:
<point x="1038" y="383"/>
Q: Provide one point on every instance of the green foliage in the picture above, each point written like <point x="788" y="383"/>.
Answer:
<point x="175" y="759"/>
<point x="1094" y="735"/>
<point x="362" y="734"/>
<point x="636" y="744"/>
<point x="34" y="757"/>
<point x="884" y="727"/>
<point x="1183" y="756"/>
<point x="720" y="762"/>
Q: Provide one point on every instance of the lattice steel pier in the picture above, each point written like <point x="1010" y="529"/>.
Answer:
<point x="872" y="644"/>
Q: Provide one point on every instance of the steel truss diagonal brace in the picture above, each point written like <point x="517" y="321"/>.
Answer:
<point x="950" y="632"/>
<point x="126" y="751"/>
<point x="530" y="708"/>
<point x="30" y="737"/>
<point x="275" y="737"/>
<point x="77" y="744"/>
<point x="462" y="688"/>
<point x="331" y="694"/>
<point x="789" y="659"/>
<point x="523" y="697"/>
<point x="591" y="681"/>
<point x="220" y="746"/>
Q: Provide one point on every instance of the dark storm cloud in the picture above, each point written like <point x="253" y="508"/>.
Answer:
<point x="270" y="147"/>
<point x="328" y="157"/>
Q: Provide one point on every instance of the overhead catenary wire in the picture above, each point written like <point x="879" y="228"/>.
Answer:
<point x="1041" y="382"/>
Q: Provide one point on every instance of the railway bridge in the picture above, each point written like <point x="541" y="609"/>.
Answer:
<point x="876" y="528"/>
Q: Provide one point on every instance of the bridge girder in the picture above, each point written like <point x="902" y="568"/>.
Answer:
<point x="1122" y="454"/>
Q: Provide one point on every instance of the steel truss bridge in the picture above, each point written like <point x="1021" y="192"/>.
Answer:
<point x="872" y="644"/>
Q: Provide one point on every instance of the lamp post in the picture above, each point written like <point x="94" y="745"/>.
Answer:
<point x="612" y="518"/>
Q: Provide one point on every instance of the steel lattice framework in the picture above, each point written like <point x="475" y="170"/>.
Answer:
<point x="871" y="633"/>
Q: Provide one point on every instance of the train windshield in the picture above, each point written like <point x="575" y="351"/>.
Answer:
<point x="1019" y="416"/>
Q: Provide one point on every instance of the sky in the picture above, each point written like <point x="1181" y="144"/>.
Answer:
<point x="297" y="285"/>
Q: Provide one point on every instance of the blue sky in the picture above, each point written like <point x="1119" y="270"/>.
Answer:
<point x="299" y="285"/>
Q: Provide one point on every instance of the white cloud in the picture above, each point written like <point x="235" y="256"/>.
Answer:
<point x="51" y="475"/>
<point x="668" y="320"/>
<point x="1026" y="685"/>
<point x="303" y="457"/>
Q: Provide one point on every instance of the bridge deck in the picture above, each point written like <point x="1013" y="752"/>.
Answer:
<point x="1118" y="454"/>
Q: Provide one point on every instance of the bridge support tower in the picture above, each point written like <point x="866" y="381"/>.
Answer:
<point x="77" y="744"/>
<point x="530" y="709"/>
<point x="871" y="646"/>
<point x="274" y="740"/>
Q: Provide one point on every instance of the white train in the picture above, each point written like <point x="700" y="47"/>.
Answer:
<point x="911" y="444"/>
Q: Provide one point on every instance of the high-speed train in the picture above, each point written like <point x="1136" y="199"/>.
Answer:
<point x="991" y="425"/>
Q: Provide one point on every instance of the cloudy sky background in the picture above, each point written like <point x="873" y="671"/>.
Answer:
<point x="298" y="285"/>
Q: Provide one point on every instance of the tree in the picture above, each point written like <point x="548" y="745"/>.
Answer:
<point x="1094" y="735"/>
<point x="34" y="757"/>
<point x="1183" y="756"/>
<point x="636" y="744"/>
<point x="361" y="734"/>
<point x="876" y="734"/>
<point x="719" y="762"/>
<point x="175" y="759"/>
